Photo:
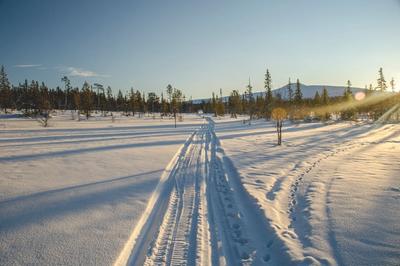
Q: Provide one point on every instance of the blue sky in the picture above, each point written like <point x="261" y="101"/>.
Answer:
<point x="200" y="46"/>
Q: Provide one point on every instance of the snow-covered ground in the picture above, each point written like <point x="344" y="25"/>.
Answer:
<point x="330" y="194"/>
<point x="211" y="192"/>
<point x="72" y="193"/>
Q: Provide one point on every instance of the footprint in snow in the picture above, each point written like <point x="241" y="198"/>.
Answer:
<point x="267" y="257"/>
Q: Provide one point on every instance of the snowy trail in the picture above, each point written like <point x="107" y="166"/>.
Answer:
<point x="199" y="219"/>
<point x="297" y="188"/>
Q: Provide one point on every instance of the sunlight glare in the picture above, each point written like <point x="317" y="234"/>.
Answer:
<point x="359" y="96"/>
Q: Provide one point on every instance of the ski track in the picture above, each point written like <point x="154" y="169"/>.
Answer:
<point x="202" y="222"/>
<point x="298" y="204"/>
<point x="344" y="147"/>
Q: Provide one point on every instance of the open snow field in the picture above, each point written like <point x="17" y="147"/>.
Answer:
<point x="72" y="193"/>
<point x="211" y="192"/>
<point x="329" y="195"/>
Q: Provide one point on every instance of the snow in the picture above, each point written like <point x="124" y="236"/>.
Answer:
<point x="329" y="193"/>
<point x="213" y="191"/>
<point x="72" y="193"/>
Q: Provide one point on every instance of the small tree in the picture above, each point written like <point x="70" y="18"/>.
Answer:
<point x="268" y="95"/>
<point x="77" y="102"/>
<point x="5" y="90"/>
<point x="298" y="95"/>
<point x="381" y="81"/>
<point x="176" y="102"/>
<point x="169" y="93"/>
<point x="214" y="104"/>
<point x="325" y="103"/>
<point x="349" y="112"/>
<point x="317" y="99"/>
<point x="290" y="92"/>
<point x="67" y="82"/>
<point x="86" y="101"/>
<point x="392" y="84"/>
<point x="44" y="106"/>
<point x="251" y="102"/>
<point x="279" y="114"/>
<point x="234" y="103"/>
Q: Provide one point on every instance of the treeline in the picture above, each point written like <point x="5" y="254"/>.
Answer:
<point x="36" y="99"/>
<point x="371" y="103"/>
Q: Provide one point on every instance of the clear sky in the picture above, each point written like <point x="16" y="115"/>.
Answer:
<point x="200" y="46"/>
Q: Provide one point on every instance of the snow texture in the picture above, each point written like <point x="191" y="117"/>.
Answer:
<point x="214" y="191"/>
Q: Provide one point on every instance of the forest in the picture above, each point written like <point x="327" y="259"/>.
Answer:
<point x="36" y="99"/>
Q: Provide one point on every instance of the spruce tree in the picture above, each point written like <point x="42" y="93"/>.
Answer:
<point x="348" y="112"/>
<point x="392" y="84"/>
<point x="169" y="93"/>
<point x="268" y="95"/>
<point x="317" y="98"/>
<point x="249" y="91"/>
<point x="325" y="96"/>
<point x="234" y="103"/>
<point x="348" y="95"/>
<point x="67" y="83"/>
<point x="290" y="92"/>
<point x="325" y="102"/>
<point x="298" y="95"/>
<point x="214" y="104"/>
<point x="5" y="90"/>
<point x="381" y="81"/>
<point x="120" y="101"/>
<point x="110" y="99"/>
<point x="86" y="99"/>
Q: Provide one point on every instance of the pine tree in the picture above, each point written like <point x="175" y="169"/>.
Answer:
<point x="298" y="95"/>
<point x="220" y="105"/>
<point x="325" y="96"/>
<point x="164" y="105"/>
<point x="5" y="90"/>
<point x="214" y="104"/>
<point x="249" y="91"/>
<point x="325" y="102"/>
<point x="120" y="101"/>
<point x="234" y="103"/>
<point x="44" y="105"/>
<point x="290" y="92"/>
<point x="348" y="95"/>
<point x="86" y="99"/>
<point x="392" y="84"/>
<point x="176" y="103"/>
<point x="268" y="95"/>
<point x="169" y="93"/>
<point x="67" y="83"/>
<point x="371" y="88"/>
<point x="132" y="102"/>
<point x="349" y="112"/>
<point x="77" y="102"/>
<point x="143" y="107"/>
<point x="381" y="81"/>
<point x="110" y="99"/>
<point x="317" y="98"/>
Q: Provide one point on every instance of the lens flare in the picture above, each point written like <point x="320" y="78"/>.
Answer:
<point x="359" y="96"/>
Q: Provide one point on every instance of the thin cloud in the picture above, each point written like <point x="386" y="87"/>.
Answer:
<point x="27" y="65"/>
<point x="78" y="72"/>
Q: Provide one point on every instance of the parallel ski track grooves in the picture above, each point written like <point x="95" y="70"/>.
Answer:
<point x="176" y="243"/>
<point x="203" y="221"/>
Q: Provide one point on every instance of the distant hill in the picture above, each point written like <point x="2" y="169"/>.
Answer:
<point x="310" y="90"/>
<point x="307" y="90"/>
